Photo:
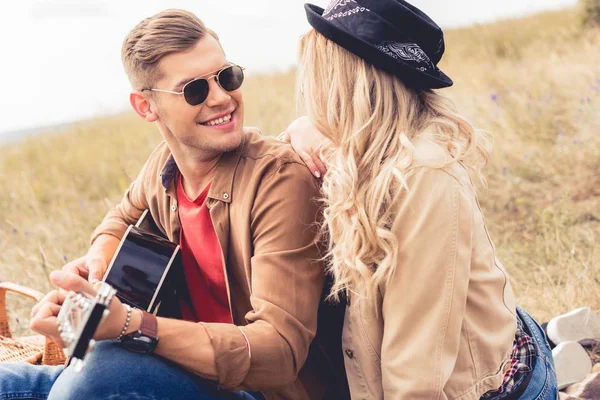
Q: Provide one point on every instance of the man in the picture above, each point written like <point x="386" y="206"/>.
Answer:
<point x="243" y="209"/>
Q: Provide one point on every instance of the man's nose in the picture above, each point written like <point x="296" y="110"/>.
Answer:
<point x="216" y="94"/>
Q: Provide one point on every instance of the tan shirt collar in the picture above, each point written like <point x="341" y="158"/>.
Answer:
<point x="222" y="186"/>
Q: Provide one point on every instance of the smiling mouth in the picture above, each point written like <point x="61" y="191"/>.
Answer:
<point x="218" y="121"/>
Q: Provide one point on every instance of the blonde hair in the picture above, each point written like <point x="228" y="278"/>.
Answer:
<point x="167" y="32"/>
<point x="371" y="118"/>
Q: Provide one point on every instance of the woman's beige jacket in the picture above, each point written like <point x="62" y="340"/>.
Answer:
<point x="445" y="323"/>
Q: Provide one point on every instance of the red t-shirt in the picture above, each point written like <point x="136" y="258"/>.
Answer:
<point x="202" y="261"/>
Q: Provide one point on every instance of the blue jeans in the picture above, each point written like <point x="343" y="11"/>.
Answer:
<point x="110" y="372"/>
<point x="542" y="380"/>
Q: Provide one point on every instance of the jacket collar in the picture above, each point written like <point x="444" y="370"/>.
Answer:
<point x="222" y="184"/>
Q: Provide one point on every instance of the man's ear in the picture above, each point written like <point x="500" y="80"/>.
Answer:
<point x="142" y="106"/>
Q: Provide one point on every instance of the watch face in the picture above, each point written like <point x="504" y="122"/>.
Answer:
<point x="141" y="344"/>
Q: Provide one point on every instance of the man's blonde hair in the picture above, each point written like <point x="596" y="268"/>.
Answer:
<point x="170" y="31"/>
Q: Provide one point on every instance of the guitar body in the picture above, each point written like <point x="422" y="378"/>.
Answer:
<point x="146" y="270"/>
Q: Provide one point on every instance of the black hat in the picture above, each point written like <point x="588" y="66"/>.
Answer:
<point x="390" y="34"/>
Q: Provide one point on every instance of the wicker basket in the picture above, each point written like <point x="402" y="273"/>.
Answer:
<point x="32" y="349"/>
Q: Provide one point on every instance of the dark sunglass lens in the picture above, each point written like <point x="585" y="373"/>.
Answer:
<point x="231" y="78"/>
<point x="196" y="92"/>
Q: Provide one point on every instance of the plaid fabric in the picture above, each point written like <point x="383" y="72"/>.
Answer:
<point x="523" y="356"/>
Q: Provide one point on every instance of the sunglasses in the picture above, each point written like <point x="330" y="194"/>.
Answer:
<point x="195" y="92"/>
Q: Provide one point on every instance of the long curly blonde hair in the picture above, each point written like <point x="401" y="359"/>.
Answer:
<point x="371" y="119"/>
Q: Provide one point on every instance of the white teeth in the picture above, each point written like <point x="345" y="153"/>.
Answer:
<point x="219" y="121"/>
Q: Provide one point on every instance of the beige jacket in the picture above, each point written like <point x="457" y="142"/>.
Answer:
<point x="445" y="323"/>
<point x="263" y="207"/>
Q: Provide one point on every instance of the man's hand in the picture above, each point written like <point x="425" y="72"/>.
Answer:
<point x="89" y="267"/>
<point x="94" y="264"/>
<point x="307" y="142"/>
<point x="44" y="314"/>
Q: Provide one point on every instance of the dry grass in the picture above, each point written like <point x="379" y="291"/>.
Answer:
<point x="533" y="83"/>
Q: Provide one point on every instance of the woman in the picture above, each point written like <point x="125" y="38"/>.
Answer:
<point x="431" y="313"/>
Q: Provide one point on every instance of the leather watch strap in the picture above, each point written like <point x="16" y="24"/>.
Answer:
<point x="149" y="326"/>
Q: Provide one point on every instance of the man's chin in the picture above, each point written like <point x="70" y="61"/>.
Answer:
<point x="222" y="142"/>
<point x="232" y="142"/>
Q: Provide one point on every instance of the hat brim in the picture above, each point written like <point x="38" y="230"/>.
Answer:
<point x="410" y="76"/>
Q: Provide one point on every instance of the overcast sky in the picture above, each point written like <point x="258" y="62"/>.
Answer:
<point x="60" y="59"/>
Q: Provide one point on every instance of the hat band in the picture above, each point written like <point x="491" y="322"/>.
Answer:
<point x="361" y="22"/>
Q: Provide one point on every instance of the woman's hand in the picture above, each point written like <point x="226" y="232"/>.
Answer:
<point x="306" y="141"/>
<point x="44" y="314"/>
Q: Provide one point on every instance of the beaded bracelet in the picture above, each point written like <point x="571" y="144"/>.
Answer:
<point x="127" y="321"/>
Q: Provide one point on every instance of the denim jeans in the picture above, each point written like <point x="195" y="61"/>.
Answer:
<point x="541" y="383"/>
<point x="110" y="372"/>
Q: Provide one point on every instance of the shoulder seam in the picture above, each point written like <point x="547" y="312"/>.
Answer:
<point x="280" y="164"/>
<point x="412" y="171"/>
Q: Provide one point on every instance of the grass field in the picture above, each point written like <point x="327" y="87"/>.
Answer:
<point x="533" y="83"/>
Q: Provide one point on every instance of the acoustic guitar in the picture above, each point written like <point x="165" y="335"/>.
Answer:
<point x="145" y="272"/>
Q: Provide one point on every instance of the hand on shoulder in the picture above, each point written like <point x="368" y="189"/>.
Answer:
<point x="307" y="142"/>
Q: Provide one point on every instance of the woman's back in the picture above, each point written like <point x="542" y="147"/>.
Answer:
<point x="448" y="293"/>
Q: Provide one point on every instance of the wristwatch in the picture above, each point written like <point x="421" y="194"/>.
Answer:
<point x="145" y="339"/>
